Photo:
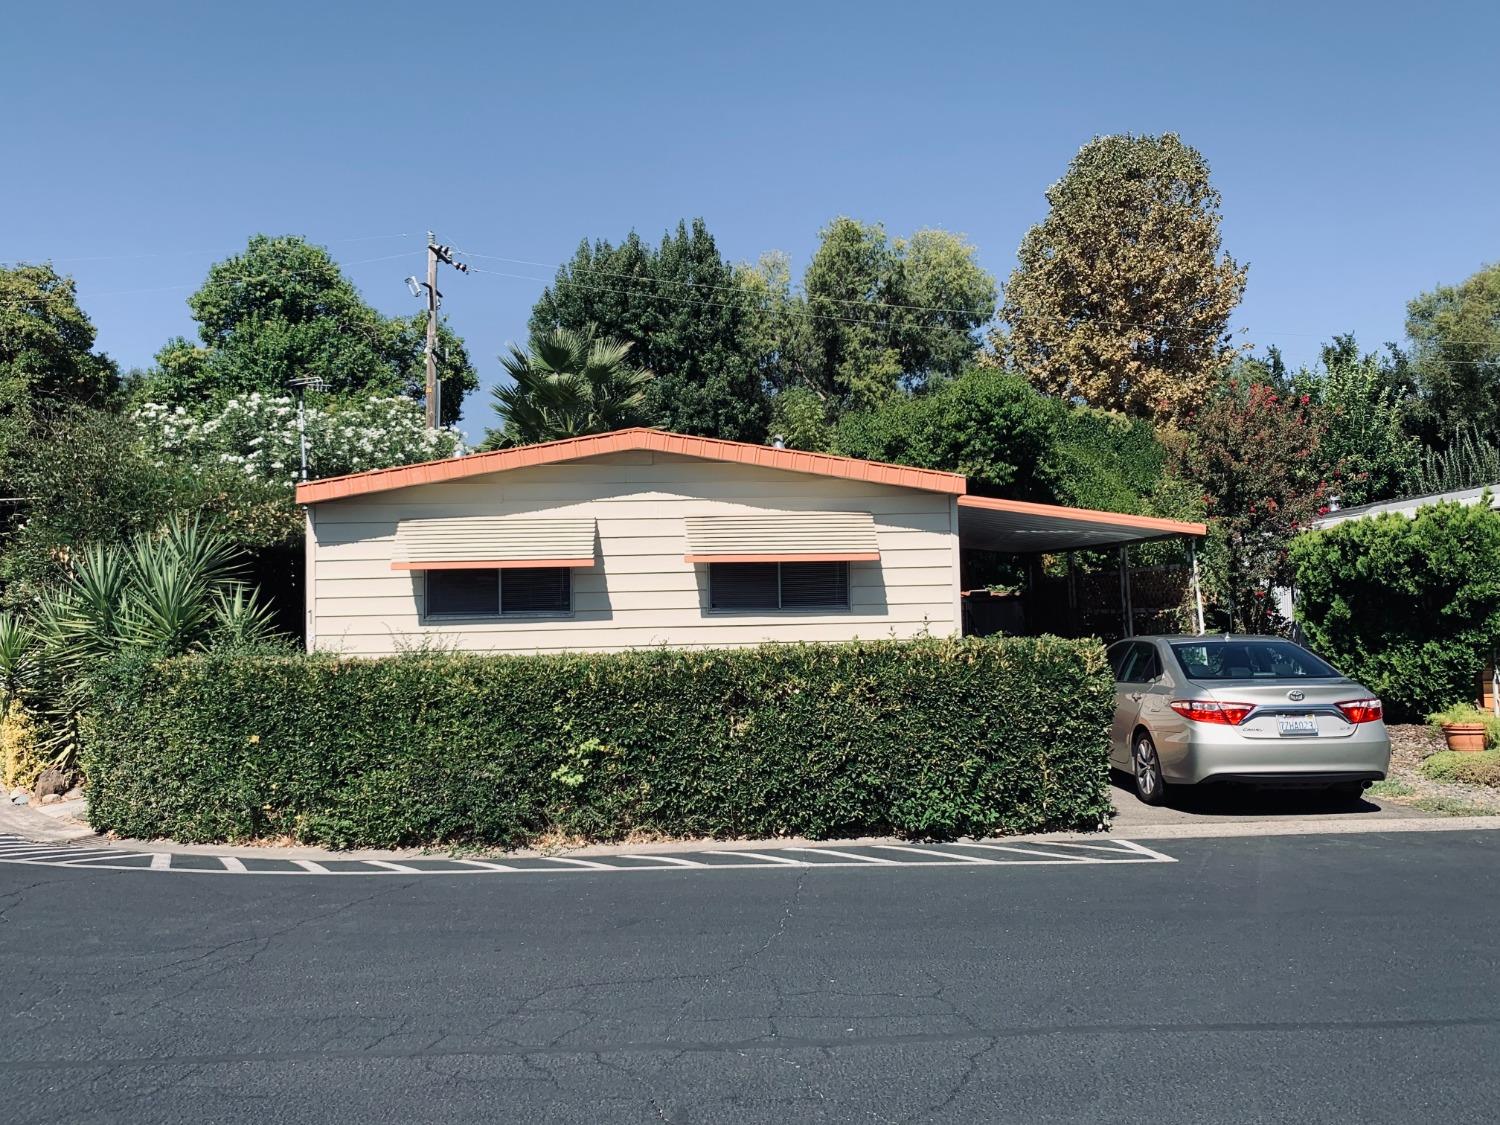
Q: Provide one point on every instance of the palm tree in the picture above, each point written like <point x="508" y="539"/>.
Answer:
<point x="567" y="384"/>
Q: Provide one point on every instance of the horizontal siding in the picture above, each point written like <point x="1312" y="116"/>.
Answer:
<point x="642" y="592"/>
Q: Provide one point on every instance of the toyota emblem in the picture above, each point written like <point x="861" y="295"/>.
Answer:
<point x="1295" y="695"/>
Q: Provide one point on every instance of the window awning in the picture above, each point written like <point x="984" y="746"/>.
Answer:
<point x="782" y="537"/>
<point x="493" y="542"/>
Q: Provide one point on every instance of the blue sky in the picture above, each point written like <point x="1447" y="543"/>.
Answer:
<point x="1357" y="145"/>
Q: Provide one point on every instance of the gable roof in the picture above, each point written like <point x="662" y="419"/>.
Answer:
<point x="624" y="441"/>
<point x="1007" y="525"/>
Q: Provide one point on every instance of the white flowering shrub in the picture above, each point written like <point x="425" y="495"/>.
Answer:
<point x="257" y="435"/>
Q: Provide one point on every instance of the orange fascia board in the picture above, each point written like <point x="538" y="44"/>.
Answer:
<point x="788" y="556"/>
<point x="493" y="564"/>
<point x="1086" y="515"/>
<point x="628" y="441"/>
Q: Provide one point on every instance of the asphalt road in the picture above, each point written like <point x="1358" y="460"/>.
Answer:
<point x="1308" y="979"/>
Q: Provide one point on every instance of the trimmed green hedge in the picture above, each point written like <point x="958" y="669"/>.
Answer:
<point x="1409" y="607"/>
<point x="922" y="738"/>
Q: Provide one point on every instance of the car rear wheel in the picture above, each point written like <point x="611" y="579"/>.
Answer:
<point x="1145" y="768"/>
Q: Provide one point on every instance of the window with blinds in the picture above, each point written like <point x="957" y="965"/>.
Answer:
<point x="812" y="585"/>
<point x="498" y="593"/>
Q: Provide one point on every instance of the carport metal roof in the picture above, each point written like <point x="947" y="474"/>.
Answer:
<point x="1019" y="527"/>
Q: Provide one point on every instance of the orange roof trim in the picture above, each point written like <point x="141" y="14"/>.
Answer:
<point x="627" y="441"/>
<point x="1086" y="515"/>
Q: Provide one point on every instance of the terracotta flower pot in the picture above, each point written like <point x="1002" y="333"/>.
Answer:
<point x="1464" y="736"/>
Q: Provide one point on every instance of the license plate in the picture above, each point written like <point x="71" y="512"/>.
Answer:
<point x="1296" y="724"/>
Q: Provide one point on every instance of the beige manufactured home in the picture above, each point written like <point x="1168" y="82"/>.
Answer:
<point x="642" y="537"/>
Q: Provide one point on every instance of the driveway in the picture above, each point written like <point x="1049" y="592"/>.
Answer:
<point x="1236" y="804"/>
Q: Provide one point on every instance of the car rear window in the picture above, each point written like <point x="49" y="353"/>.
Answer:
<point x="1249" y="660"/>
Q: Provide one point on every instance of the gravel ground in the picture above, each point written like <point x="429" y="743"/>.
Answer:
<point x="1410" y="744"/>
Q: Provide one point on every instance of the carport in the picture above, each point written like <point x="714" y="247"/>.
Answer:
<point x="1018" y="527"/>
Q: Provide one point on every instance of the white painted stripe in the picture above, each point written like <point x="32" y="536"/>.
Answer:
<point x="764" y="856"/>
<point x="230" y="863"/>
<point x="1114" y="847"/>
<point x="582" y="863"/>
<point x="55" y="853"/>
<point x="671" y="861"/>
<point x="843" y="855"/>
<point x="93" y="861"/>
<point x="485" y="864"/>
<point x="389" y="866"/>
<point x="934" y="852"/>
<point x="1031" y="851"/>
<point x="161" y="861"/>
<point x="309" y="865"/>
<point x="44" y="849"/>
<point x="1133" y="846"/>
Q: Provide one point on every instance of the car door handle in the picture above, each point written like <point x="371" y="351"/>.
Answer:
<point x="1137" y="696"/>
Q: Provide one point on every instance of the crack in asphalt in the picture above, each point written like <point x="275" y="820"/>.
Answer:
<point x="783" y="1043"/>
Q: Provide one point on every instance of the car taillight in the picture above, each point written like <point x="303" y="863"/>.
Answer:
<point x="1361" y="710"/>
<point x="1208" y="711"/>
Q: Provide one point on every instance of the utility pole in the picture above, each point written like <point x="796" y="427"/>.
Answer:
<point x="436" y="252"/>
<point x="434" y="406"/>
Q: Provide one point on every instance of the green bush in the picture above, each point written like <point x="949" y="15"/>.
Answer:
<point x="921" y="738"/>
<point x="1409" y="607"/>
<point x="1470" y="768"/>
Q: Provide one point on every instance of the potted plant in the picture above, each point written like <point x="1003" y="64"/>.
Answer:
<point x="1466" y="727"/>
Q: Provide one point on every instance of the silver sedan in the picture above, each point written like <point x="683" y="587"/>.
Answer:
<point x="1237" y="708"/>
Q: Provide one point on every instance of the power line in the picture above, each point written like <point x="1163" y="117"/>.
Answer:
<point x="189" y="253"/>
<point x="855" y="302"/>
<point x="826" y="316"/>
<point x="75" y="297"/>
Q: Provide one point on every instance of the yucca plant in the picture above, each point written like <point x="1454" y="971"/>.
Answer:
<point x="176" y="590"/>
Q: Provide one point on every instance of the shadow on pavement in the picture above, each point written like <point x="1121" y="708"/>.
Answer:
<point x="1240" y="801"/>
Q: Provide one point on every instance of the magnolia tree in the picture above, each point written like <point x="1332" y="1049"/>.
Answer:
<point x="258" y="434"/>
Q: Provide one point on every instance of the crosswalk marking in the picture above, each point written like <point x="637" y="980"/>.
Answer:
<point x="670" y="861"/>
<point x="932" y="852"/>
<point x="844" y="855"/>
<point x="990" y="854"/>
<point x="760" y="855"/>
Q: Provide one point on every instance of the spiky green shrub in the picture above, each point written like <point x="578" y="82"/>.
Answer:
<point x="161" y="594"/>
<point x="922" y="738"/>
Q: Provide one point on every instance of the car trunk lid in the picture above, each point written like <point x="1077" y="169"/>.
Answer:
<point x="1305" y="708"/>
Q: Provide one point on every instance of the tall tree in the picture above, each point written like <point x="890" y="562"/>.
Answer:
<point x="283" y="310"/>
<point x="1254" y="453"/>
<point x="1122" y="297"/>
<point x="47" y="341"/>
<point x="1455" y="338"/>
<point x="882" y="314"/>
<point x="568" y="384"/>
<point x="47" y="360"/>
<point x="679" y="305"/>
<point x="1366" y="446"/>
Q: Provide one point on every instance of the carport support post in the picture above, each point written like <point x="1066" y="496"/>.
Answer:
<point x="1127" y="612"/>
<point x="1197" y="585"/>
